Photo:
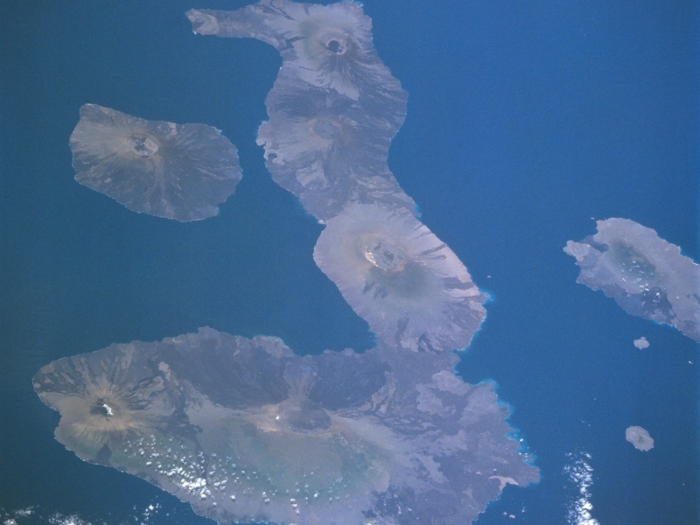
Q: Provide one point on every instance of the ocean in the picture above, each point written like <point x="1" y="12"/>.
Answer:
<point x="525" y="122"/>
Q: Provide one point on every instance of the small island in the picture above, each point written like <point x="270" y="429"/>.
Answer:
<point x="647" y="276"/>
<point x="641" y="343"/>
<point x="640" y="438"/>
<point x="174" y="171"/>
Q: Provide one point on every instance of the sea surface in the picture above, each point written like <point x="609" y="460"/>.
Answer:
<point x="526" y="121"/>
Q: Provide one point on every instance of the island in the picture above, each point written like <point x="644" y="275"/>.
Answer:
<point x="647" y="276"/>
<point x="411" y="288"/>
<point x="175" y="171"/>
<point x="247" y="431"/>
<point x="640" y="438"/>
<point x="334" y="107"/>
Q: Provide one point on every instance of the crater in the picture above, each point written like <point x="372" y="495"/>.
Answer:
<point x="384" y="254"/>
<point x="335" y="47"/>
<point x="142" y="145"/>
<point x="326" y="129"/>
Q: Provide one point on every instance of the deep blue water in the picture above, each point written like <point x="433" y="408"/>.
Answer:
<point x="525" y="120"/>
